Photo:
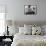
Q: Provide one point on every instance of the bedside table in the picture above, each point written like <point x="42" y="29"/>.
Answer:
<point x="4" y="40"/>
<point x="11" y="37"/>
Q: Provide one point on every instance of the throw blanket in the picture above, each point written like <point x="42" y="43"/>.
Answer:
<point x="29" y="40"/>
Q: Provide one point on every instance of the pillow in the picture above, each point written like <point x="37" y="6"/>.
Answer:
<point x="28" y="31"/>
<point x="24" y="30"/>
<point x="44" y="26"/>
<point x="28" y="26"/>
<point x="36" y="30"/>
<point x="44" y="29"/>
<point x="21" y="30"/>
<point x="13" y="30"/>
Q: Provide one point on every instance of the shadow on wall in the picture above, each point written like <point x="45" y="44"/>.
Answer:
<point x="21" y="23"/>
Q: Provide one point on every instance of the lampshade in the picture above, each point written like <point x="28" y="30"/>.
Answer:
<point x="9" y="22"/>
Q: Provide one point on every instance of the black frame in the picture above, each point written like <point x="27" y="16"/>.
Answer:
<point x="29" y="10"/>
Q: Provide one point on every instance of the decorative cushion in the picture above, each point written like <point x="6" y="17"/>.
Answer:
<point x="44" y="26"/>
<point x="23" y="30"/>
<point x="13" y="30"/>
<point x="44" y="29"/>
<point x="36" y="30"/>
<point x="28" y="31"/>
<point x="28" y="26"/>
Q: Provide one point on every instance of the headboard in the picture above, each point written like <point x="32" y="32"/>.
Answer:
<point x="21" y="23"/>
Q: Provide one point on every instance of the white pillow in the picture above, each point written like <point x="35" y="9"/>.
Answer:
<point x="28" y="31"/>
<point x="42" y="30"/>
<point x="24" y="30"/>
<point x="44" y="27"/>
<point x="36" y="30"/>
<point x="21" y="30"/>
<point x="28" y="26"/>
<point x="13" y="30"/>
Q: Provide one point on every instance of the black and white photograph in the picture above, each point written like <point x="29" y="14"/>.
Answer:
<point x="30" y="9"/>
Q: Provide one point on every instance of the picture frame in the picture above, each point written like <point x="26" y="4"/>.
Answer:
<point x="30" y="9"/>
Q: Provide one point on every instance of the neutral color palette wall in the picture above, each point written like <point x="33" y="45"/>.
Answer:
<point x="15" y="9"/>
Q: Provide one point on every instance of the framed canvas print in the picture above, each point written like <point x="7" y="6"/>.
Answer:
<point x="30" y="9"/>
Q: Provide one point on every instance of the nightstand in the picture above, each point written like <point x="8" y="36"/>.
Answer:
<point x="6" y="40"/>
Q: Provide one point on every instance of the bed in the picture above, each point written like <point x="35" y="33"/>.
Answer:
<point x="29" y="40"/>
<point x="25" y="38"/>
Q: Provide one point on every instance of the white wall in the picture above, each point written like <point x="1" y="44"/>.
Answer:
<point x="15" y="10"/>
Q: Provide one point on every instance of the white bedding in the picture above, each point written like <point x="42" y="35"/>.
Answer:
<point x="29" y="40"/>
